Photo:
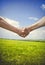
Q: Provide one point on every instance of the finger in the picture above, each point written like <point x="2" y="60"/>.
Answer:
<point x="23" y="35"/>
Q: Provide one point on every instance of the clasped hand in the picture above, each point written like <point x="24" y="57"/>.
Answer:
<point x="23" y="32"/>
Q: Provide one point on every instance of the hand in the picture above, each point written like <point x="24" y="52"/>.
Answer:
<point x="23" y="32"/>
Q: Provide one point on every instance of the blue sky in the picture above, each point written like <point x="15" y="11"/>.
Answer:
<point x="23" y="10"/>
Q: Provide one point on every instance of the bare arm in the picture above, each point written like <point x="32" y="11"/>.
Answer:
<point x="38" y="24"/>
<point x="34" y="26"/>
<point x="9" y="27"/>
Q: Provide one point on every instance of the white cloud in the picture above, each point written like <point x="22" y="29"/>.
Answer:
<point x="7" y="34"/>
<point x="33" y="18"/>
<point x="43" y="6"/>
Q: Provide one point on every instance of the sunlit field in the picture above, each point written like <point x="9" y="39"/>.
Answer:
<point x="20" y="52"/>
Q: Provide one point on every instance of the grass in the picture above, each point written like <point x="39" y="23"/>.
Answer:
<point x="17" y="52"/>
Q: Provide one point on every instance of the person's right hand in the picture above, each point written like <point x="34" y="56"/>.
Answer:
<point x="25" y="31"/>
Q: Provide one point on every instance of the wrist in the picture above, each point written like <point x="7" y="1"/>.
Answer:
<point x="17" y="30"/>
<point x="29" y="29"/>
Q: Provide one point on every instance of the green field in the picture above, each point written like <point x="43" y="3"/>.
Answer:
<point x="19" y="52"/>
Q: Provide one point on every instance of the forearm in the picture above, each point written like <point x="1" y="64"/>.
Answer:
<point x="39" y="24"/>
<point x="7" y="26"/>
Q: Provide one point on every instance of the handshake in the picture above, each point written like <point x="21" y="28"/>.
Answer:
<point x="23" y="32"/>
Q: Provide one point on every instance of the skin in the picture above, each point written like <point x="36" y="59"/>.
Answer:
<point x="23" y="32"/>
<point x="9" y="27"/>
